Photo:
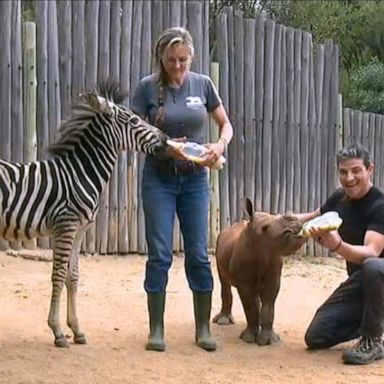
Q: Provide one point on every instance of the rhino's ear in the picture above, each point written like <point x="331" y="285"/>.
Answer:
<point x="248" y="208"/>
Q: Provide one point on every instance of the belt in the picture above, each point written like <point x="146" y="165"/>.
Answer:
<point x="178" y="167"/>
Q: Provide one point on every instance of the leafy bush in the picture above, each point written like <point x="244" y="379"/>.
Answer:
<point x="366" y="87"/>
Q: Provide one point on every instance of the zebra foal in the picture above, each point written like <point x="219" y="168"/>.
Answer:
<point x="59" y="197"/>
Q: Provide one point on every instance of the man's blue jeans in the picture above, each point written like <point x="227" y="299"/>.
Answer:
<point x="186" y="195"/>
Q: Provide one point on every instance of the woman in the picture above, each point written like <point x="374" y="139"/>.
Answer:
<point x="178" y="101"/>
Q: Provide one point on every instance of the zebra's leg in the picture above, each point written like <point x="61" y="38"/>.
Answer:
<point x="72" y="284"/>
<point x="61" y="252"/>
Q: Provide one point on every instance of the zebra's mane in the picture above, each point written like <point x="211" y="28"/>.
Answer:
<point x="73" y="128"/>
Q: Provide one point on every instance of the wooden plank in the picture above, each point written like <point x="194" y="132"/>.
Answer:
<point x="290" y="119"/>
<point x="371" y="132"/>
<point x="184" y="13"/>
<point x="214" y="207"/>
<point x="102" y="74"/>
<point x="352" y="125"/>
<point x="313" y="142"/>
<point x="145" y="69"/>
<point x="156" y="19"/>
<point x="206" y="36"/>
<point x="296" y="120"/>
<point x="114" y="73"/>
<point x="5" y="87"/>
<point x="78" y="47"/>
<point x="364" y="129"/>
<point x="54" y="105"/>
<point x="5" y="79"/>
<point x="376" y="141"/>
<point x="231" y="108"/>
<point x="30" y="84"/>
<point x="304" y="126"/>
<point x="16" y="106"/>
<point x="346" y="126"/>
<point x="166" y="14"/>
<point x="333" y="109"/>
<point x="42" y="89"/>
<point x="339" y="127"/>
<point x="194" y="17"/>
<point x="137" y="23"/>
<point x="125" y="78"/>
<point x="54" y="108"/>
<point x="238" y="24"/>
<point x="249" y="109"/>
<point x="327" y="157"/>
<point x="259" y="97"/>
<point x="357" y="125"/>
<point x="282" y="124"/>
<point x="175" y="13"/>
<point x="64" y="22"/>
<point x="268" y="113"/>
<point x="319" y="79"/>
<point x="276" y="139"/>
<point x="91" y="54"/>
<point x="222" y="58"/>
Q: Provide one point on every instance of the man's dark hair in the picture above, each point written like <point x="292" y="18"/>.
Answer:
<point x="354" y="151"/>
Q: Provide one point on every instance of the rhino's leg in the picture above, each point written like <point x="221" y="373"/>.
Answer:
<point x="251" y="305"/>
<point x="224" y="317"/>
<point x="268" y="294"/>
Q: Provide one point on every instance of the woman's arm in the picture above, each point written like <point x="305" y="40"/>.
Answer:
<point x="215" y="150"/>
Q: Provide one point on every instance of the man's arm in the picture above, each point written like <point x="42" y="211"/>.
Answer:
<point x="373" y="247"/>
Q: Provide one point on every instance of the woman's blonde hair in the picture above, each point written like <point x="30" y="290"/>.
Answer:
<point x="171" y="36"/>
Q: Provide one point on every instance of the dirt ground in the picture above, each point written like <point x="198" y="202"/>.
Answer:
<point x="112" y="312"/>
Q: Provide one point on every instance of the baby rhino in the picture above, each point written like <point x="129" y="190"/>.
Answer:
<point x="248" y="256"/>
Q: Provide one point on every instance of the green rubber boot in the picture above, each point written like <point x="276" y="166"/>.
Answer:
<point x="156" y="304"/>
<point x="202" y="305"/>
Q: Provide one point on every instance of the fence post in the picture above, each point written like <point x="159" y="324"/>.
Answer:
<point x="30" y="85"/>
<point x="214" y="175"/>
<point x="5" y="86"/>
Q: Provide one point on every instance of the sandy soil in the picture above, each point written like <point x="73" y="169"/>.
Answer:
<point x="112" y="311"/>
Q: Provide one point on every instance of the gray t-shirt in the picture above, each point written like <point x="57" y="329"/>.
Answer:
<point x="186" y="108"/>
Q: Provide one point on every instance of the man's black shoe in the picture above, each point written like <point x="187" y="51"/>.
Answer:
<point x="365" y="351"/>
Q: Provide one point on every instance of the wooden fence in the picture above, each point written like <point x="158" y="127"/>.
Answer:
<point x="282" y="95"/>
<point x="280" y="90"/>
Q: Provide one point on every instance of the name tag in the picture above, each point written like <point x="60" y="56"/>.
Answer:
<point x="194" y="102"/>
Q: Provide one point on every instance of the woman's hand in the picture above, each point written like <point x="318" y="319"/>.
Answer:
<point x="213" y="153"/>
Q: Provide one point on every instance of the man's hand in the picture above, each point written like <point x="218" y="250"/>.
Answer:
<point x="328" y="239"/>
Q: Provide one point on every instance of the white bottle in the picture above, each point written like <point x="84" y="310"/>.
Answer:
<point x="194" y="151"/>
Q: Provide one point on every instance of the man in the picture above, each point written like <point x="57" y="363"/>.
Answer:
<point x="356" y="307"/>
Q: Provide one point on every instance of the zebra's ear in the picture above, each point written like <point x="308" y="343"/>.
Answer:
<point x="93" y="101"/>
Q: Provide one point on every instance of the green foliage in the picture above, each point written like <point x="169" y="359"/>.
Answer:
<point x="28" y="10"/>
<point x="366" y="87"/>
<point x="356" y="26"/>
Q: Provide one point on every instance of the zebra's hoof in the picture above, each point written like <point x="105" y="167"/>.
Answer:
<point x="61" y="342"/>
<point x="80" y="339"/>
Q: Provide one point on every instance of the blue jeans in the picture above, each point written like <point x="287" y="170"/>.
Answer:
<point x="186" y="195"/>
<point x="355" y="308"/>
